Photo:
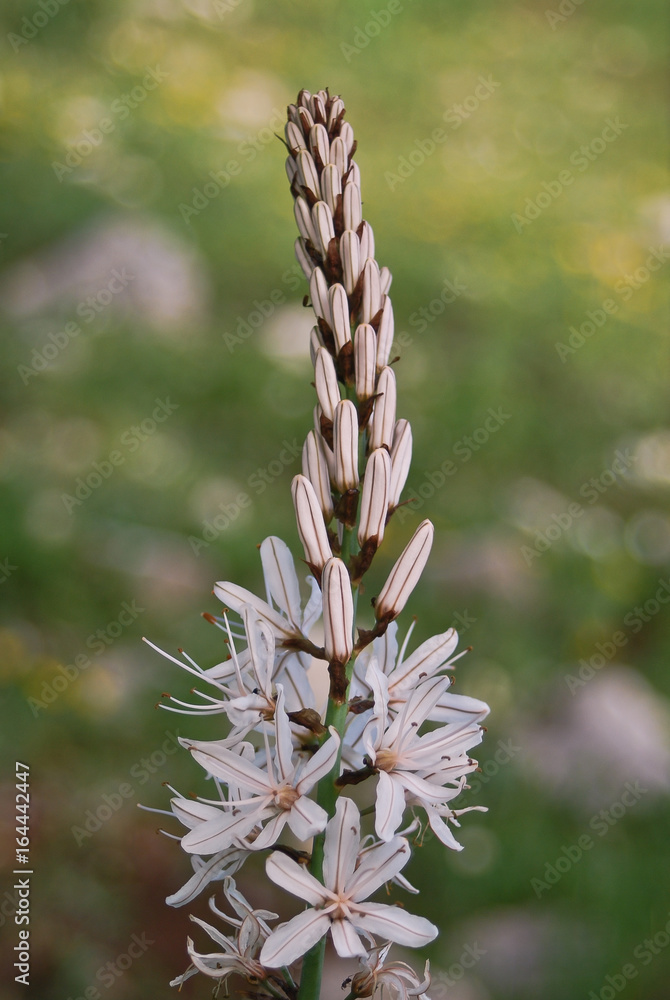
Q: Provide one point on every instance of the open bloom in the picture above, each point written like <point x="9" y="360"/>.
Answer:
<point x="400" y="980"/>
<point x="338" y="906"/>
<point x="278" y="791"/>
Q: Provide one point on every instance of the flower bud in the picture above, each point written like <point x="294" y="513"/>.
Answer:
<point x="351" y="206"/>
<point x="374" y="498"/>
<point x="294" y="137"/>
<point x="367" y="242"/>
<point x="336" y="109"/>
<point x="322" y="217"/>
<point x="401" y="457"/>
<point x="331" y="186"/>
<point x="404" y="576"/>
<point x="365" y="361"/>
<point x="303" y="218"/>
<point x="339" y="311"/>
<point x="339" y="156"/>
<point x="372" y="295"/>
<point x="327" y="388"/>
<point x="345" y="439"/>
<point x="318" y="143"/>
<point x="385" y="279"/>
<point x="385" y="335"/>
<point x="347" y="137"/>
<point x="382" y="423"/>
<point x="318" y="292"/>
<point x="311" y="527"/>
<point x="315" y="468"/>
<point x="338" y="611"/>
<point x="303" y="258"/>
<point x="307" y="175"/>
<point x="350" y="256"/>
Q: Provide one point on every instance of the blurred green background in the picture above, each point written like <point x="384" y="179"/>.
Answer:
<point x="146" y="228"/>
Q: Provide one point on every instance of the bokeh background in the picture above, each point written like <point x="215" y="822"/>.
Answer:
<point x="153" y="324"/>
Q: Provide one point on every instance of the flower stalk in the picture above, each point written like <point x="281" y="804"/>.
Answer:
<point x="285" y="763"/>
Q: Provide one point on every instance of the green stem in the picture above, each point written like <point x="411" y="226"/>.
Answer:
<point x="326" y="796"/>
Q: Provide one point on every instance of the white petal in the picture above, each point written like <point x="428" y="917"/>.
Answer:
<point x="378" y="865"/>
<point x="229" y="861"/>
<point x="320" y="765"/>
<point x="288" y="874"/>
<point x="280" y="577"/>
<point x="217" y="835"/>
<point x="229" y="766"/>
<point x="283" y="739"/>
<point x="390" y="806"/>
<point x="459" y="707"/>
<point x="293" y="939"/>
<point x="270" y="832"/>
<point x="442" y="830"/>
<point x="394" y="924"/>
<point x="426" y="659"/>
<point x="345" y="939"/>
<point x="192" y="813"/>
<point x="418" y="707"/>
<point x="306" y="818"/>
<point x="235" y="597"/>
<point x="343" y="835"/>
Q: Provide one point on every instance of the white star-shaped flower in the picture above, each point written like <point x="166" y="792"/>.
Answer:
<point x="339" y="905"/>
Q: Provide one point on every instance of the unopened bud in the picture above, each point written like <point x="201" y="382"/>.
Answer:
<point x="311" y="527"/>
<point x="322" y="217"/>
<point x="365" y="361"/>
<point x="303" y="218"/>
<point x="351" y="258"/>
<point x="338" y="611"/>
<point x="404" y="576"/>
<point x="294" y="137"/>
<point x="315" y="468"/>
<point x="339" y="155"/>
<point x="307" y="175"/>
<point x="385" y="335"/>
<point x="318" y="292"/>
<point x="327" y="388"/>
<point x="351" y="206"/>
<point x="382" y="423"/>
<point x="303" y="258"/>
<point x="374" y="497"/>
<point x="318" y="143"/>
<point x="401" y="458"/>
<point x="345" y="441"/>
<point x="372" y="295"/>
<point x="339" y="312"/>
<point x="331" y="186"/>
<point x="367" y="239"/>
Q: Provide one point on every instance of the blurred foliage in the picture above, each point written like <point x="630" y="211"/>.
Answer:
<point x="75" y="82"/>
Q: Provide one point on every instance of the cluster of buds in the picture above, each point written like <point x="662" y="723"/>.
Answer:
<point x="283" y="771"/>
